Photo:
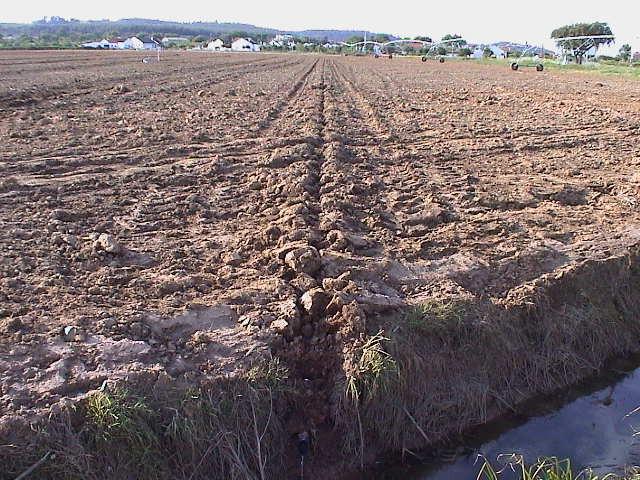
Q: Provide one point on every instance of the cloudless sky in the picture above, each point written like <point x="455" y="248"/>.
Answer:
<point x="478" y="21"/>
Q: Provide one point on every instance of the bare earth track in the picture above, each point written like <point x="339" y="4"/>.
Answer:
<point x="191" y="217"/>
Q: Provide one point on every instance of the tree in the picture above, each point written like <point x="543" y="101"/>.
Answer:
<point x="580" y="47"/>
<point x="625" y="52"/>
<point x="424" y="39"/>
<point x="487" y="52"/>
<point x="354" y="39"/>
<point x="454" y="44"/>
<point x="465" y="52"/>
<point x="381" y="37"/>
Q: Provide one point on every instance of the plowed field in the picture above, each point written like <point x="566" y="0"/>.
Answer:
<point x="192" y="216"/>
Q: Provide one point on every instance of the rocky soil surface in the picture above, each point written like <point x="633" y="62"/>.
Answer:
<point x="191" y="215"/>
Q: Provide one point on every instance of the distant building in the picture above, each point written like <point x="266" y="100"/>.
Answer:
<point x="150" y="44"/>
<point x="116" y="43"/>
<point x="217" y="45"/>
<point x="102" y="44"/>
<point x="590" y="55"/>
<point x="244" y="45"/>
<point x="636" y="57"/>
<point x="283" y="40"/>
<point x="133" y="43"/>
<point x="283" y="37"/>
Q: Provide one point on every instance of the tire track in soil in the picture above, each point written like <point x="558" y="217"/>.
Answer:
<point x="393" y="168"/>
<point x="310" y="346"/>
<point x="410" y="209"/>
<point x="297" y="165"/>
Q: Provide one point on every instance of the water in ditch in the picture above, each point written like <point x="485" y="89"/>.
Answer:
<point x="593" y="424"/>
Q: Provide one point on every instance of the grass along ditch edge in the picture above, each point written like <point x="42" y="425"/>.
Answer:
<point x="440" y="368"/>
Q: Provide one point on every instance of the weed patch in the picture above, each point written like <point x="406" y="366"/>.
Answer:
<point x="373" y="370"/>
<point x="550" y="468"/>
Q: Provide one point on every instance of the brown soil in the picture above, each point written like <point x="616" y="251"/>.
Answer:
<point x="190" y="217"/>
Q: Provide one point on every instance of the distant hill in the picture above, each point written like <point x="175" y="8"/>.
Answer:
<point x="128" y="26"/>
<point x="92" y="29"/>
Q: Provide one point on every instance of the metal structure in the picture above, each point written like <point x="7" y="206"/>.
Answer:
<point x="383" y="46"/>
<point x="432" y="52"/>
<point x="538" y="66"/>
<point x="589" y="41"/>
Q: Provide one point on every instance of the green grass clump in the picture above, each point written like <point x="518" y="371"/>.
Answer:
<point x="271" y="373"/>
<point x="435" y="315"/>
<point x="374" y="368"/>
<point x="115" y="414"/>
<point x="122" y="424"/>
<point x="550" y="468"/>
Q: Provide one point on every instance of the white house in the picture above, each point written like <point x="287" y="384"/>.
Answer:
<point x="216" y="45"/>
<point x="104" y="43"/>
<point x="283" y="40"/>
<point x="591" y="54"/>
<point x="116" y="44"/>
<point x="133" y="43"/>
<point x="150" y="44"/>
<point x="497" y="51"/>
<point x="245" y="45"/>
<point x="283" y="37"/>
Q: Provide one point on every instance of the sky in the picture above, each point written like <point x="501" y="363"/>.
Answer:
<point x="477" y="21"/>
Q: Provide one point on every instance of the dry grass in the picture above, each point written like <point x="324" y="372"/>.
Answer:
<point x="229" y="430"/>
<point x="374" y="370"/>
<point x="417" y="379"/>
<point x="550" y="468"/>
